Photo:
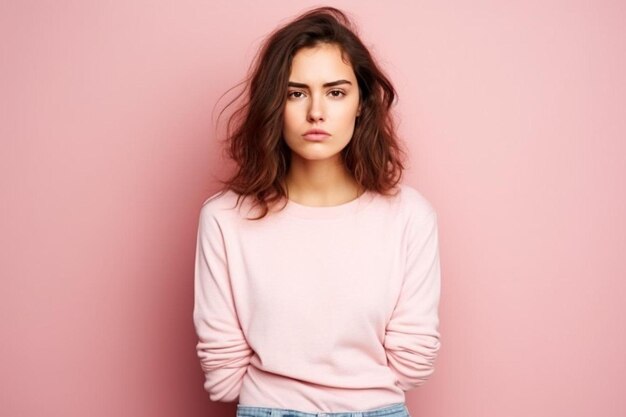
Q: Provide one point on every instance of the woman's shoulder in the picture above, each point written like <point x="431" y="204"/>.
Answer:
<point x="219" y="204"/>
<point x="414" y="202"/>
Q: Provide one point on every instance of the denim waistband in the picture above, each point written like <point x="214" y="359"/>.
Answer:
<point x="393" y="410"/>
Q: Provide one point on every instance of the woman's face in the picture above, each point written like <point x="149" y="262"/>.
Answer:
<point x="322" y="94"/>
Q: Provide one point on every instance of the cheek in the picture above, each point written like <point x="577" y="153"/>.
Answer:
<point x="349" y="109"/>
<point x="289" y="117"/>
<point x="347" y="115"/>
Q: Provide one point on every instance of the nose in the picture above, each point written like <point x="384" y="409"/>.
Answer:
<point x="315" y="112"/>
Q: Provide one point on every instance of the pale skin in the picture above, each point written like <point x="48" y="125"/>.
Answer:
<point x="322" y="94"/>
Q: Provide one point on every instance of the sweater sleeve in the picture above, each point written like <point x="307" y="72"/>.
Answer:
<point x="222" y="349"/>
<point x="411" y="336"/>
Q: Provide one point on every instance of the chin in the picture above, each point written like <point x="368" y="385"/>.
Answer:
<point x="316" y="156"/>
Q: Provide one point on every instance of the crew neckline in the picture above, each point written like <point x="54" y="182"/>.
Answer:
<point x="327" y="212"/>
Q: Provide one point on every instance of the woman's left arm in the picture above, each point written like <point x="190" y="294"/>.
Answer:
<point x="412" y="337"/>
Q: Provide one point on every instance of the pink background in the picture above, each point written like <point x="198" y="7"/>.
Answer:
<point x="515" y="117"/>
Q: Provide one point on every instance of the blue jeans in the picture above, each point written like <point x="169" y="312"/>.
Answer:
<point x="393" y="410"/>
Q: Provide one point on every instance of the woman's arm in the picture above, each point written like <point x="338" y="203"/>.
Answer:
<point x="222" y="349"/>
<point x="412" y="337"/>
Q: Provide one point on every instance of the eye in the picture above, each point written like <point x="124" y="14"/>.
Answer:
<point x="291" y="94"/>
<point x="340" y="93"/>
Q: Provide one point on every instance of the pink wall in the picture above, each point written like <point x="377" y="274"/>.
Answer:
<point x="514" y="112"/>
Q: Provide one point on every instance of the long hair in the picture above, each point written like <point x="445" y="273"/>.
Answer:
<point x="254" y="139"/>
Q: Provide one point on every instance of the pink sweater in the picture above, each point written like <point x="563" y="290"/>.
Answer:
<point x="318" y="309"/>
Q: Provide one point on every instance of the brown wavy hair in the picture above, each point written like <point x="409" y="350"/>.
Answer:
<point x="254" y="138"/>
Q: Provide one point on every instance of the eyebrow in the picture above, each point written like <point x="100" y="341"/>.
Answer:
<point x="330" y="84"/>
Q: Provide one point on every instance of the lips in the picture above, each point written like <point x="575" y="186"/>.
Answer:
<point x="316" y="134"/>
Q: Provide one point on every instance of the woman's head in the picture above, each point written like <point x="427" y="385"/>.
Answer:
<point x="265" y="132"/>
<point x="323" y="95"/>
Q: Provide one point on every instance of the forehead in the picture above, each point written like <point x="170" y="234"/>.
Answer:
<point x="322" y="63"/>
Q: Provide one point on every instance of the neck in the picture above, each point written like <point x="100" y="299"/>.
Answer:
<point x="321" y="182"/>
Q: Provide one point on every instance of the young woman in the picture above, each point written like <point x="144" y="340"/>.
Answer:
<point x="325" y="301"/>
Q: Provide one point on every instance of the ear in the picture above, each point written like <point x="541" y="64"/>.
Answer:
<point x="358" y="111"/>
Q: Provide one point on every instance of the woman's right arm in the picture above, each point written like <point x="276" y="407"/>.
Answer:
<point x="222" y="348"/>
